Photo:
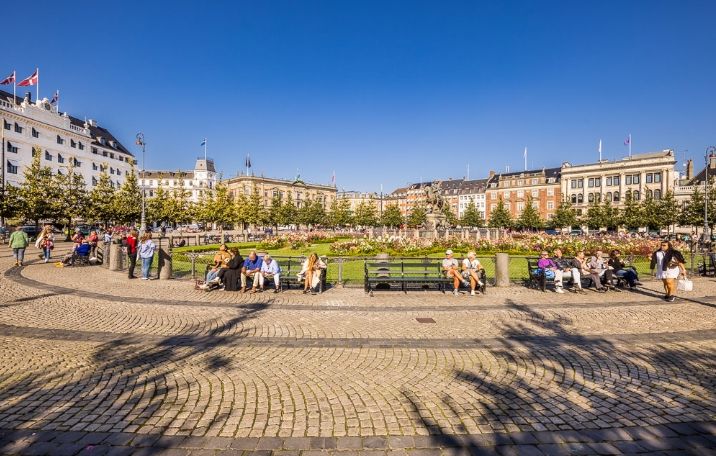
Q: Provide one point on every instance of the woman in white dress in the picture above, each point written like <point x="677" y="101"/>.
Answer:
<point x="669" y="264"/>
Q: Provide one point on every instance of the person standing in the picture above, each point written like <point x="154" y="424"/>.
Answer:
<point x="93" y="239"/>
<point x="18" y="243"/>
<point x="146" y="253"/>
<point x="46" y="241"/>
<point x="131" y="244"/>
<point x="669" y="264"/>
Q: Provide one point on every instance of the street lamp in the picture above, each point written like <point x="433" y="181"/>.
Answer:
<point x="140" y="142"/>
<point x="711" y="150"/>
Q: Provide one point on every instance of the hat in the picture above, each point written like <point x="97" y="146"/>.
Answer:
<point x="448" y="252"/>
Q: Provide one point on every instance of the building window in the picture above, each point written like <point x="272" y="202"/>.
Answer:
<point x="615" y="181"/>
<point x="81" y="146"/>
<point x="520" y="207"/>
<point x="48" y="156"/>
<point x="73" y="143"/>
<point x="608" y="182"/>
<point x="520" y="183"/>
<point x="18" y="128"/>
<point x="628" y="180"/>
<point x="580" y="199"/>
<point x="590" y="182"/>
<point x="77" y="163"/>
<point x="94" y="150"/>
<point x="59" y="172"/>
<point x="34" y="152"/>
<point x="635" y="179"/>
<point x="550" y="204"/>
<point x="657" y="178"/>
<point x="94" y="166"/>
<point x="7" y="125"/>
<point x="94" y="180"/>
<point x="550" y="192"/>
<point x="616" y="197"/>
<point x="574" y="199"/>
<point x="60" y="158"/>
<point x="506" y="195"/>
<point x="35" y="133"/>
<point x="520" y="194"/>
<point x="591" y="197"/>
<point x="657" y="194"/>
<point x="60" y="140"/>
<point x="11" y="167"/>
<point x="636" y="196"/>
<point x="535" y="181"/>
<point x="609" y="196"/>
<point x="11" y="148"/>
<point x="649" y="178"/>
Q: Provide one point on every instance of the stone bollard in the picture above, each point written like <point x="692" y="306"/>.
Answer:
<point x="502" y="270"/>
<point x="165" y="260"/>
<point x="116" y="257"/>
<point x="105" y="254"/>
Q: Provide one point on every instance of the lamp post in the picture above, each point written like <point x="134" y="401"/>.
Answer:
<point x="711" y="150"/>
<point x="143" y="222"/>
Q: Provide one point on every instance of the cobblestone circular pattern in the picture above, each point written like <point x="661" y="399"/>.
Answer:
<point x="77" y="356"/>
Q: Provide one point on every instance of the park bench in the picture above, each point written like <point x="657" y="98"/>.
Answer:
<point x="538" y="280"/>
<point x="290" y="267"/>
<point x="404" y="274"/>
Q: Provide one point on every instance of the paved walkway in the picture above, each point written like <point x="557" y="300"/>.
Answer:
<point x="93" y="363"/>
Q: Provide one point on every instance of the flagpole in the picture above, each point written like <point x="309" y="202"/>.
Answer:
<point x="600" y="150"/>
<point x="37" y="86"/>
<point x="14" y="95"/>
<point x="629" y="145"/>
<point x="525" y="159"/>
<point x="204" y="149"/>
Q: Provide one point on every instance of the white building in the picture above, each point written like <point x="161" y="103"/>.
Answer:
<point x="472" y="191"/>
<point x="62" y="140"/>
<point x="194" y="183"/>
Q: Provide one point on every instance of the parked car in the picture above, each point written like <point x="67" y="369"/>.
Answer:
<point x="551" y="232"/>
<point x="576" y="232"/>
<point x="31" y="230"/>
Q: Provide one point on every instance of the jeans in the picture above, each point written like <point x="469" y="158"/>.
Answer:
<point x="212" y="274"/>
<point x="47" y="252"/>
<point x="264" y="277"/>
<point x="629" y="275"/>
<point x="146" y="264"/>
<point x="19" y="254"/>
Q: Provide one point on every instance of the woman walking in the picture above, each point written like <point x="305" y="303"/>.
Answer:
<point x="146" y="253"/>
<point x="669" y="264"/>
<point x="46" y="242"/>
<point x="18" y="243"/>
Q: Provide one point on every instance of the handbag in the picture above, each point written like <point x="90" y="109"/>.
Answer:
<point x="685" y="285"/>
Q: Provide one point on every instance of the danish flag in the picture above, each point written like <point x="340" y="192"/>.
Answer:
<point x="8" y="80"/>
<point x="30" y="81"/>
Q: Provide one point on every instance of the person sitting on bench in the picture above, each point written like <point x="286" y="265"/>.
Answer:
<point x="221" y="261"/>
<point x="452" y="271"/>
<point x="80" y="250"/>
<point x="549" y="268"/>
<point x="251" y="270"/>
<point x="270" y="270"/>
<point x="471" y="268"/>
<point x="311" y="273"/>
<point x="621" y="270"/>
<point x="570" y="270"/>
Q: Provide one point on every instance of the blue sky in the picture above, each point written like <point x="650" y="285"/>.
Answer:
<point x="382" y="92"/>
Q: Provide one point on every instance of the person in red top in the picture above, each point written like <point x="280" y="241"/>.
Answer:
<point x="92" y="240"/>
<point x="131" y="243"/>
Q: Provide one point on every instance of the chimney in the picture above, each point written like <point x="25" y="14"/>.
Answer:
<point x="689" y="169"/>
<point x="491" y="174"/>
<point x="712" y="161"/>
<point x="28" y="97"/>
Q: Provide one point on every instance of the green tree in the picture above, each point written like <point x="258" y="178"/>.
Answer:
<point x="38" y="192"/>
<point x="669" y="209"/>
<point x="631" y="216"/>
<point x="417" y="217"/>
<point x="471" y="216"/>
<point x="529" y="219"/>
<point x="274" y="211"/>
<point x="222" y="210"/>
<point x="450" y="217"/>
<point x="650" y="213"/>
<point x="289" y="212"/>
<point x="101" y="197"/>
<point x="158" y="206"/>
<point x="10" y="202"/>
<point x="565" y="216"/>
<point x="312" y="213"/>
<point x="257" y="214"/>
<point x="341" y="214"/>
<point x="594" y="218"/>
<point x="610" y="216"/>
<point x="391" y="216"/>
<point x="692" y="212"/>
<point x="72" y="199"/>
<point x="365" y="214"/>
<point x="500" y="216"/>
<point x="128" y="200"/>
<point x="180" y="207"/>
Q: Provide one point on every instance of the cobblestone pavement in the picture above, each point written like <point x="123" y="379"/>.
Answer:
<point x="93" y="363"/>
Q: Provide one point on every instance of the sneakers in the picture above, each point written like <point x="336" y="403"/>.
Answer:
<point x="479" y="283"/>
<point x="455" y="292"/>
<point x="275" y="290"/>
<point x="472" y="292"/>
<point x="670" y="298"/>
<point x="46" y="260"/>
<point x="465" y="283"/>
<point x="559" y="290"/>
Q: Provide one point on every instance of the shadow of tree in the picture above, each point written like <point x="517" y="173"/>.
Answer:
<point x="548" y="378"/>
<point x="123" y="371"/>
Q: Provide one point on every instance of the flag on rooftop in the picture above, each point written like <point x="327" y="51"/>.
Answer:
<point x="55" y="97"/>
<point x="31" y="80"/>
<point x="8" y="80"/>
<point x="203" y="143"/>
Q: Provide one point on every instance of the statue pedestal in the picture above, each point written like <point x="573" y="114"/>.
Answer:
<point x="435" y="221"/>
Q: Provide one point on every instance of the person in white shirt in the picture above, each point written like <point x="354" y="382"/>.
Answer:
<point x="669" y="264"/>
<point x="451" y="269"/>
<point x="471" y="271"/>
<point x="270" y="270"/>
